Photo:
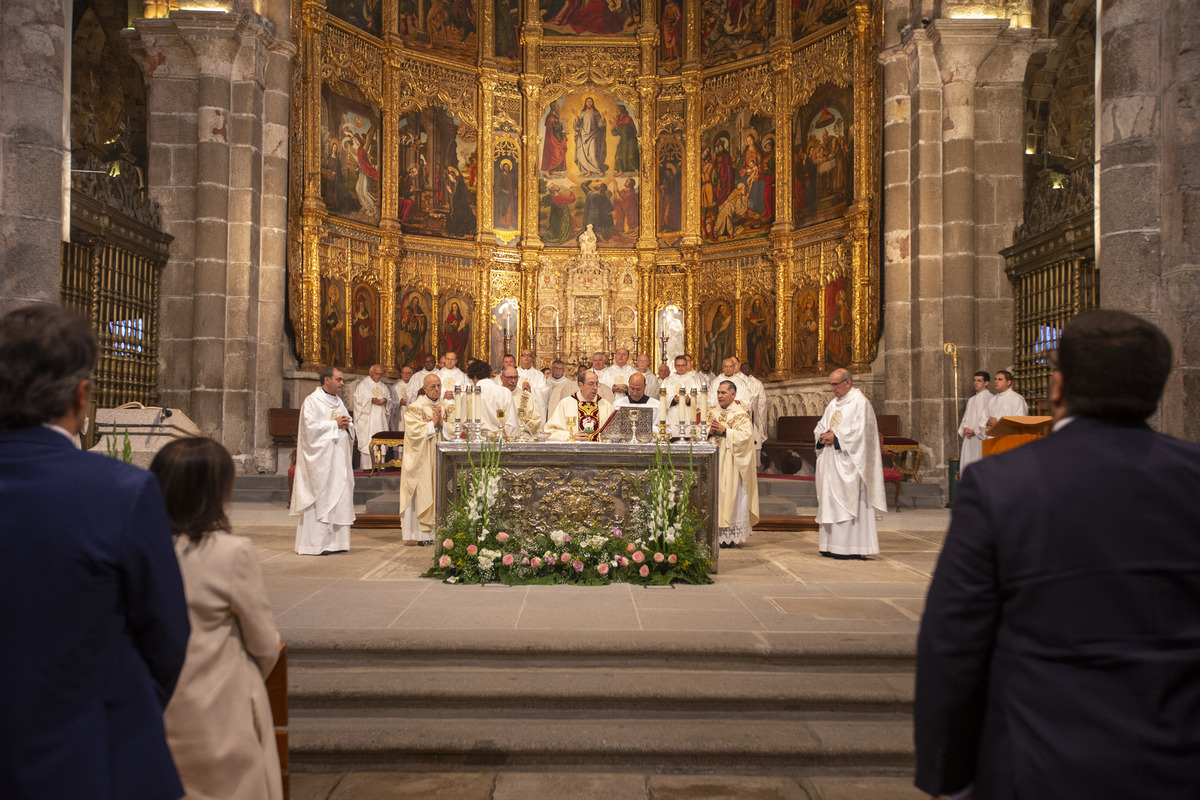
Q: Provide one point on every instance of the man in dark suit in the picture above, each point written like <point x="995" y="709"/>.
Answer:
<point x="95" y="626"/>
<point x="1059" y="652"/>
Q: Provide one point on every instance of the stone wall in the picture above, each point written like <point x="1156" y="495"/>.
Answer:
<point x="1149" y="183"/>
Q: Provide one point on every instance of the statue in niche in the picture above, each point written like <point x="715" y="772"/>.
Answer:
<point x="587" y="243"/>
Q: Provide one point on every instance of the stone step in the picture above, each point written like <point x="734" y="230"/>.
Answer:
<point x="321" y="741"/>
<point x="580" y="692"/>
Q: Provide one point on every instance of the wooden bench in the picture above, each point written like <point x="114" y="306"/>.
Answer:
<point x="283" y="425"/>
<point x="794" y="445"/>
<point x="277" y="695"/>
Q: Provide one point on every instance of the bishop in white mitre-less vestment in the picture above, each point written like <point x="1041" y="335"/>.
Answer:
<point x="323" y="490"/>
<point x="975" y="419"/>
<point x="586" y="409"/>
<point x="737" y="496"/>
<point x="849" y="472"/>
<point x="422" y="429"/>
<point x="373" y="405"/>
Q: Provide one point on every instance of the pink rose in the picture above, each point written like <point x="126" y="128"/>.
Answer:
<point x="578" y="565"/>
<point x="444" y="561"/>
<point x="644" y="571"/>
<point x="639" y="557"/>
<point x="629" y="548"/>
<point x="502" y="536"/>
<point x="658" y="557"/>
<point x="535" y="562"/>
<point x="616" y="533"/>
<point x="507" y="560"/>
<point x="602" y="569"/>
<point x="525" y="562"/>
<point x="565" y="558"/>
<point x="623" y="561"/>
<point x="671" y="559"/>
<point x="448" y="544"/>
<point x="472" y="549"/>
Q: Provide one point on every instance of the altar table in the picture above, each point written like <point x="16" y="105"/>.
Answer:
<point x="559" y="483"/>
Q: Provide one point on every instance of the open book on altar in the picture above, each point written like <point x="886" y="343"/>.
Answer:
<point x="1010" y="432"/>
<point x="620" y="426"/>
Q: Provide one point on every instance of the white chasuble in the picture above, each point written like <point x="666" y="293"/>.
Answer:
<point x="737" y="472"/>
<point x="370" y="418"/>
<point x="324" y="479"/>
<point x="851" y="467"/>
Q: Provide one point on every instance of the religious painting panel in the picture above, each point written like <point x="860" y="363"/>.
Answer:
<point x="349" y="158"/>
<point x="506" y="190"/>
<point x="413" y="329"/>
<point x="810" y="16"/>
<point x="446" y="27"/>
<point x="737" y="179"/>
<point x="588" y="170"/>
<point x="759" y="319"/>
<point x="807" y="329"/>
<point x="670" y="39"/>
<point x="823" y="156"/>
<point x="838" y="340"/>
<point x="364" y="326"/>
<point x="735" y="29"/>
<point x="669" y="321"/>
<point x="333" y="322"/>
<point x="366" y="15"/>
<point x="454" y="328"/>
<point x="574" y="17"/>
<point x="505" y="324"/>
<point x="508" y="29"/>
<point x="437" y="167"/>
<point x="717" y="332"/>
<point x="670" y="189"/>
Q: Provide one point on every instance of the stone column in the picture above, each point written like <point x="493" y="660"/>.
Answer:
<point x="34" y="138"/>
<point x="1149" y="184"/>
<point x="217" y="93"/>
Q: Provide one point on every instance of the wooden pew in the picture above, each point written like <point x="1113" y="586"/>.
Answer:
<point x="278" y="695"/>
<point x="793" y="445"/>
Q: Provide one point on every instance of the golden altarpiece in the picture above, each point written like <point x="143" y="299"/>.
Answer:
<point x="567" y="175"/>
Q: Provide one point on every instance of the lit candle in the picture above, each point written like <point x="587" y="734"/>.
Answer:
<point x="556" y="330"/>
<point x="635" y="322"/>
<point x="610" y="326"/>
<point x="477" y="400"/>
<point x="662" y="403"/>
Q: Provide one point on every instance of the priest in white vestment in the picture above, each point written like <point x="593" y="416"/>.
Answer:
<point x="372" y="411"/>
<point x="323" y="490"/>
<point x="706" y="373"/>
<point x="756" y="404"/>
<point x="531" y="380"/>
<point x="425" y="422"/>
<point x="849" y="472"/>
<point x="973" y="428"/>
<point x="492" y="405"/>
<point x="679" y="385"/>
<point x="737" y="496"/>
<point x="580" y="416"/>
<point x="400" y="397"/>
<point x="1005" y="402"/>
<point x="616" y="377"/>
<point x="637" y="397"/>
<point x="529" y="418"/>
<point x="451" y="376"/>
<point x="557" y="377"/>
<point x="644" y="367"/>
<point x="418" y="379"/>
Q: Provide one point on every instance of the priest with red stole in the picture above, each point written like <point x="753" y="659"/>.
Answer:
<point x="585" y="409"/>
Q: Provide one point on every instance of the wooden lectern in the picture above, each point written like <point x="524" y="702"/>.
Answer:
<point x="1010" y="432"/>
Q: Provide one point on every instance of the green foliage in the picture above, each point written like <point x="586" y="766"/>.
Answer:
<point x="480" y="540"/>
<point x="110" y="446"/>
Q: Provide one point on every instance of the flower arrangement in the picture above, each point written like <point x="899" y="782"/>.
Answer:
<point x="479" y="541"/>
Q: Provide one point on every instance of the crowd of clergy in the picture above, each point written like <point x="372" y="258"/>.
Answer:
<point x="436" y="402"/>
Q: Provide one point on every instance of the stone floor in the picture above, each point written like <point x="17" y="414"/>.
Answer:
<point x="773" y="590"/>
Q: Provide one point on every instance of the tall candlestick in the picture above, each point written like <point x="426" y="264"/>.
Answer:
<point x="610" y="325"/>
<point x="557" y="333"/>
<point x="662" y="403"/>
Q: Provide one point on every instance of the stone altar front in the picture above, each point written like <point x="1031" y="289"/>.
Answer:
<point x="552" y="483"/>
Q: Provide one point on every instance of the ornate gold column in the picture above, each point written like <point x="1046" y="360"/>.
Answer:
<point x="865" y="258"/>
<point x="691" y="156"/>
<point x="312" y="212"/>
<point x="487" y="90"/>
<point x="531" y="88"/>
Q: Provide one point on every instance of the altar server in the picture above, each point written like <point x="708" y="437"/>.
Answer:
<point x="730" y="429"/>
<point x="323" y="493"/>
<point x="973" y="428"/>
<point x="849" y="472"/>
<point x="616" y="377"/>
<point x="372" y="411"/>
<point x="587" y="410"/>
<point x="425" y="422"/>
<point x="1005" y="402"/>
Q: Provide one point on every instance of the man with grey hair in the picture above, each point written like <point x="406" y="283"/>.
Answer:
<point x="849" y="472"/>
<point x="526" y="407"/>
<point x="372" y="411"/>
<point x="616" y="377"/>
<point x="647" y="369"/>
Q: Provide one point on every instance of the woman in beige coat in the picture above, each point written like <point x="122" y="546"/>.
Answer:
<point x="218" y="722"/>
